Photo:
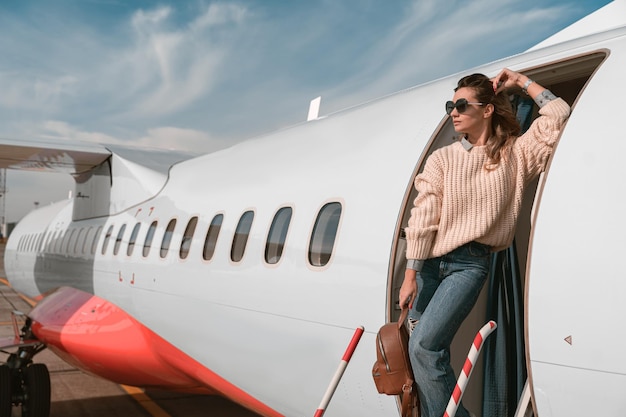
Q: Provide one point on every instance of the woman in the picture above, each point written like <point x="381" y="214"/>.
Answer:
<point x="469" y="198"/>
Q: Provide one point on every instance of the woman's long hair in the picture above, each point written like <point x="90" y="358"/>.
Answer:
<point x="504" y="125"/>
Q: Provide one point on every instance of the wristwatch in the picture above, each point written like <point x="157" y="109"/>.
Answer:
<point x="526" y="85"/>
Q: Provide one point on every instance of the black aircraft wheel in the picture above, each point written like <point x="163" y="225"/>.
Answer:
<point x="36" y="391"/>
<point x="5" y="391"/>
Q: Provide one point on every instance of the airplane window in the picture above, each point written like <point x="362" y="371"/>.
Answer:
<point x="38" y="244"/>
<point x="167" y="238"/>
<point x="149" y="236"/>
<point x="185" y="244"/>
<point x="211" y="237"/>
<point x="49" y="240"/>
<point x="324" y="234"/>
<point x="58" y="243"/>
<point x="118" y="240"/>
<point x="94" y="244"/>
<point x="54" y="244"/>
<point x="240" y="239"/>
<point x="44" y="237"/>
<point x="69" y="241"/>
<point x="78" y="237"/>
<point x="83" y="248"/>
<point x="46" y="243"/>
<point x="106" y="239"/>
<point x="52" y="241"/>
<point x="277" y="235"/>
<point x="45" y="246"/>
<point x="133" y="239"/>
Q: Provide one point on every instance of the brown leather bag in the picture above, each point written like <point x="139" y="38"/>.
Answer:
<point x="392" y="370"/>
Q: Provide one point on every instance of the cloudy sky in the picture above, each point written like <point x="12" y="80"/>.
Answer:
<point x="203" y="75"/>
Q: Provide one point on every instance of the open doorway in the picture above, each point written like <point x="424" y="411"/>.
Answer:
<point x="567" y="79"/>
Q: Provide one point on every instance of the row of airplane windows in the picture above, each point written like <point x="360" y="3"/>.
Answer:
<point x="82" y="241"/>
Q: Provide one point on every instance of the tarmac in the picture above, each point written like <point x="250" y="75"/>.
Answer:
<point x="77" y="394"/>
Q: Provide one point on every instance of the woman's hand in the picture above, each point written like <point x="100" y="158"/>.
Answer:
<point x="408" y="290"/>
<point x="508" y="79"/>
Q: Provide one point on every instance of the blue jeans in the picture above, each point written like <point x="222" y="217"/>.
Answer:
<point x="448" y="287"/>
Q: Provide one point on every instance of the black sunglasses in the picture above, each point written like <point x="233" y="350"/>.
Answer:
<point x="460" y="105"/>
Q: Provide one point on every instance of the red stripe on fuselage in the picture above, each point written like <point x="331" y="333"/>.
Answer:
<point x="100" y="338"/>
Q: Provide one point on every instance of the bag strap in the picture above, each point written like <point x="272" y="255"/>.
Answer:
<point x="409" y="398"/>
<point x="403" y="316"/>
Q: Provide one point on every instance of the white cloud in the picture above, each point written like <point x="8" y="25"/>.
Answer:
<point x="33" y="93"/>
<point x="181" y="139"/>
<point x="56" y="129"/>
<point x="185" y="58"/>
<point x="218" y="14"/>
<point x="165" y="137"/>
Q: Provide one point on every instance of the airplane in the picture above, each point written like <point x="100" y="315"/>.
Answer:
<point x="244" y="272"/>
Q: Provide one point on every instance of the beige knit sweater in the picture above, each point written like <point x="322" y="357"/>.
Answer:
<point x="460" y="201"/>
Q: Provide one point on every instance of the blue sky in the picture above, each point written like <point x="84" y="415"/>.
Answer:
<point x="202" y="75"/>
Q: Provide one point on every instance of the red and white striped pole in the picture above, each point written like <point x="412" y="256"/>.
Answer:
<point x="461" y="383"/>
<point x="340" y="370"/>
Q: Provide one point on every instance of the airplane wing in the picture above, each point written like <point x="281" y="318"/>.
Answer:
<point x="109" y="178"/>
<point x="74" y="157"/>
<point x="54" y="156"/>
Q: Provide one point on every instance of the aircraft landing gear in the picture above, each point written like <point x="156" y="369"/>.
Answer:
<point x="22" y="382"/>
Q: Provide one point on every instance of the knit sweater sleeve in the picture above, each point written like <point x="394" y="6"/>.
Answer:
<point x="424" y="221"/>
<point x="537" y="143"/>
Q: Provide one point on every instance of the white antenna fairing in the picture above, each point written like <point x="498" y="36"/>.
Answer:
<point x="314" y="109"/>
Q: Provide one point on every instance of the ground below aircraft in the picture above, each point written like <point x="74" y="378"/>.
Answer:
<point x="245" y="272"/>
